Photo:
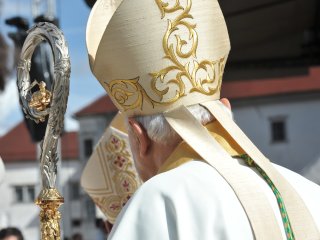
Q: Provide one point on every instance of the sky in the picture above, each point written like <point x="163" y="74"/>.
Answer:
<point x="84" y="88"/>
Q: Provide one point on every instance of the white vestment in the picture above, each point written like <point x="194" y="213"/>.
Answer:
<point x="194" y="202"/>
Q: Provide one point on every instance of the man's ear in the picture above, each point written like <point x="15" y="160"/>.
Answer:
<point x="141" y="135"/>
<point x="226" y="102"/>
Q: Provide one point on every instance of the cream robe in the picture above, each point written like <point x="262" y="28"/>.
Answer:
<point x="194" y="202"/>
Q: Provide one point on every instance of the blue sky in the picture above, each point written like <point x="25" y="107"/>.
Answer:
<point x="73" y="15"/>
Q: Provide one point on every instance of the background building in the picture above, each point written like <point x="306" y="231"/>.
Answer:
<point x="280" y="115"/>
<point x="93" y="120"/>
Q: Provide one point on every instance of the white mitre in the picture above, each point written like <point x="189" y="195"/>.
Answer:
<point x="110" y="177"/>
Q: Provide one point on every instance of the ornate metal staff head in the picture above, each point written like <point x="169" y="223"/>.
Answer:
<point x="39" y="103"/>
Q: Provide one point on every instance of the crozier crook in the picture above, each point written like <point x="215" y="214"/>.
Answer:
<point x="41" y="104"/>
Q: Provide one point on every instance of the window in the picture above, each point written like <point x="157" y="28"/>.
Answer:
<point x="18" y="194"/>
<point x="88" y="147"/>
<point x="24" y="194"/>
<point x="31" y="195"/>
<point x="76" y="222"/>
<point x="90" y="209"/>
<point x="74" y="191"/>
<point x="278" y="130"/>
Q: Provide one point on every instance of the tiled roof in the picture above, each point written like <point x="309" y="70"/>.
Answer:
<point x="16" y="145"/>
<point x="274" y="86"/>
<point x="100" y="106"/>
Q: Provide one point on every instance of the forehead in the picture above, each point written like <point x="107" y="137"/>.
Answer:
<point x="11" y="238"/>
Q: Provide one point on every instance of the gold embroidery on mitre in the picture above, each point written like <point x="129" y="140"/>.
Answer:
<point x="123" y="175"/>
<point x="129" y="94"/>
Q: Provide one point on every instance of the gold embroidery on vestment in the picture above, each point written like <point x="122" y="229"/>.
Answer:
<point x="118" y="160"/>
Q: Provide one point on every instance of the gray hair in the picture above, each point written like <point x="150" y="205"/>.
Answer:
<point x="159" y="130"/>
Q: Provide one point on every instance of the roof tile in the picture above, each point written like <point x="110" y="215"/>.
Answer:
<point x="16" y="145"/>
<point x="273" y="86"/>
<point x="100" y="106"/>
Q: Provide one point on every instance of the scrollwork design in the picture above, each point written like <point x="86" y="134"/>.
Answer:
<point x="164" y="7"/>
<point x="204" y="76"/>
<point x="129" y="94"/>
<point x="178" y="56"/>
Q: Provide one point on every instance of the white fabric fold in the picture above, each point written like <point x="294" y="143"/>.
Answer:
<point x="252" y="198"/>
<point x="301" y="220"/>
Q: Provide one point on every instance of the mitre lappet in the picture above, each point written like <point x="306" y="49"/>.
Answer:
<point x="110" y="177"/>
<point x="159" y="57"/>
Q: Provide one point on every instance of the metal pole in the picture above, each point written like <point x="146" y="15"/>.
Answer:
<point x="51" y="9"/>
<point x="36" y="8"/>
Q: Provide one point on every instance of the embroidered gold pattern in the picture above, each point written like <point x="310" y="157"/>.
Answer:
<point x="164" y="7"/>
<point x="118" y="160"/>
<point x="177" y="56"/>
<point x="129" y="94"/>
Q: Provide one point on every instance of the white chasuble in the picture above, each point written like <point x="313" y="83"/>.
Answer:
<point x="193" y="201"/>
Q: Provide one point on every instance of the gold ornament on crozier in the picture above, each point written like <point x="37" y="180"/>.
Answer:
<point x="130" y="94"/>
<point x="40" y="99"/>
<point x="49" y="201"/>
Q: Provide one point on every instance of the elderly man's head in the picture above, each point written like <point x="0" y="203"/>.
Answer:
<point x="152" y="139"/>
